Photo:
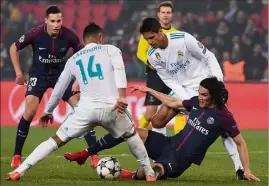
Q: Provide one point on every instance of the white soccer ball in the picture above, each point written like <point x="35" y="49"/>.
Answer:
<point x="108" y="168"/>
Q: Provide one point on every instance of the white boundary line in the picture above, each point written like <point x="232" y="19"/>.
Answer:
<point x="128" y="155"/>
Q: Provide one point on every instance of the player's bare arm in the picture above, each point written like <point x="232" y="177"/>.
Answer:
<point x="167" y="100"/>
<point x="14" y="55"/>
<point x="243" y="151"/>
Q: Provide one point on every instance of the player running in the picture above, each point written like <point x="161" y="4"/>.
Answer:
<point x="165" y="15"/>
<point x="50" y="43"/>
<point x="100" y="72"/>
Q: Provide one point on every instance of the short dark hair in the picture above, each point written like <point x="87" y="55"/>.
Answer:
<point x="166" y="4"/>
<point x="217" y="90"/>
<point x="53" y="9"/>
<point x="150" y="25"/>
<point x="92" y="29"/>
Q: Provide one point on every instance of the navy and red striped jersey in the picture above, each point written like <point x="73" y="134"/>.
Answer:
<point x="49" y="53"/>
<point x="204" y="126"/>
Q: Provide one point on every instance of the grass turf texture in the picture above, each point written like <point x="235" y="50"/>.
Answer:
<point x="216" y="169"/>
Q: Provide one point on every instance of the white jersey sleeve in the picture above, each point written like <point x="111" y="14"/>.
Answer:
<point x="169" y="80"/>
<point x="59" y="89"/>
<point x="199" y="51"/>
<point x="118" y="66"/>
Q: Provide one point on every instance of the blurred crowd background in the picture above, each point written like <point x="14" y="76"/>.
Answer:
<point x="236" y="31"/>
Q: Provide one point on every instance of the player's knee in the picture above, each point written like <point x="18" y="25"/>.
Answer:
<point x="129" y="133"/>
<point x="58" y="141"/>
<point x="158" y="121"/>
<point x="30" y="113"/>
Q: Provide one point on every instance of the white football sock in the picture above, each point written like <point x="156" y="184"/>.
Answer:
<point x="160" y="130"/>
<point x="40" y="153"/>
<point x="231" y="147"/>
<point x="137" y="148"/>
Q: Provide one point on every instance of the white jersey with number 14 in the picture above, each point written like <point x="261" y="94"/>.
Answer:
<point x="99" y="70"/>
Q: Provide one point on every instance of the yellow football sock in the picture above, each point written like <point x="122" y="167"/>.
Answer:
<point x="180" y="122"/>
<point x="143" y="123"/>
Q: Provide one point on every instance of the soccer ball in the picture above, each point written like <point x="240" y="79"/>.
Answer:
<point x="108" y="168"/>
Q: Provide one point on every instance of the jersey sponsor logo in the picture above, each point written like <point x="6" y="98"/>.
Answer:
<point x="210" y="120"/>
<point x="158" y="56"/>
<point x="197" y="125"/>
<point x="194" y="108"/>
<point x="40" y="48"/>
<point x="21" y="40"/>
<point x="177" y="66"/>
<point x="51" y="59"/>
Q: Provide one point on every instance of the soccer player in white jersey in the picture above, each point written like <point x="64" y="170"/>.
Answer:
<point x="182" y="63"/>
<point x="100" y="72"/>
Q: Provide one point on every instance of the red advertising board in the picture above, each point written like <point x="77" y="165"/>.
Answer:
<point x="248" y="103"/>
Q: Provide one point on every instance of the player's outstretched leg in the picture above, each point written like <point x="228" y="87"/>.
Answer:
<point x="40" y="153"/>
<point x="31" y="105"/>
<point x="231" y="148"/>
<point x="105" y="142"/>
<point x="91" y="139"/>
<point x="137" y="148"/>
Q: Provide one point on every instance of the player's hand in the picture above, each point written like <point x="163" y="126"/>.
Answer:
<point x="45" y="119"/>
<point x="20" y="79"/>
<point x="140" y="87"/>
<point x="75" y="88"/>
<point x="121" y="105"/>
<point x="250" y="176"/>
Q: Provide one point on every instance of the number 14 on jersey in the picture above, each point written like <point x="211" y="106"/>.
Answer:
<point x="98" y="73"/>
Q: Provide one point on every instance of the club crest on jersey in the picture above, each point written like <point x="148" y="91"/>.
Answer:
<point x="158" y="56"/>
<point x="210" y="120"/>
<point x="179" y="53"/>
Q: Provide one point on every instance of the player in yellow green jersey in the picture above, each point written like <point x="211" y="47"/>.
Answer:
<point x="165" y="14"/>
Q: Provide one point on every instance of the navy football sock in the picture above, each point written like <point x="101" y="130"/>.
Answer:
<point x="106" y="142"/>
<point x="22" y="132"/>
<point x="90" y="138"/>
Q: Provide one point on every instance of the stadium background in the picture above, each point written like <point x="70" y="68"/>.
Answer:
<point x="235" y="30"/>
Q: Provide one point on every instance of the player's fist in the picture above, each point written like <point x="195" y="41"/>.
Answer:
<point x="75" y="88"/>
<point x="250" y="176"/>
<point x="45" y="119"/>
<point x="20" y="79"/>
<point x="121" y="105"/>
<point x="141" y="88"/>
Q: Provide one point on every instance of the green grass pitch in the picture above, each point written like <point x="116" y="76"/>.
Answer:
<point x="216" y="169"/>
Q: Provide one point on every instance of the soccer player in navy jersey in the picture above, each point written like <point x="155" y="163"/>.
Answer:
<point x="50" y="43"/>
<point x="208" y="119"/>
